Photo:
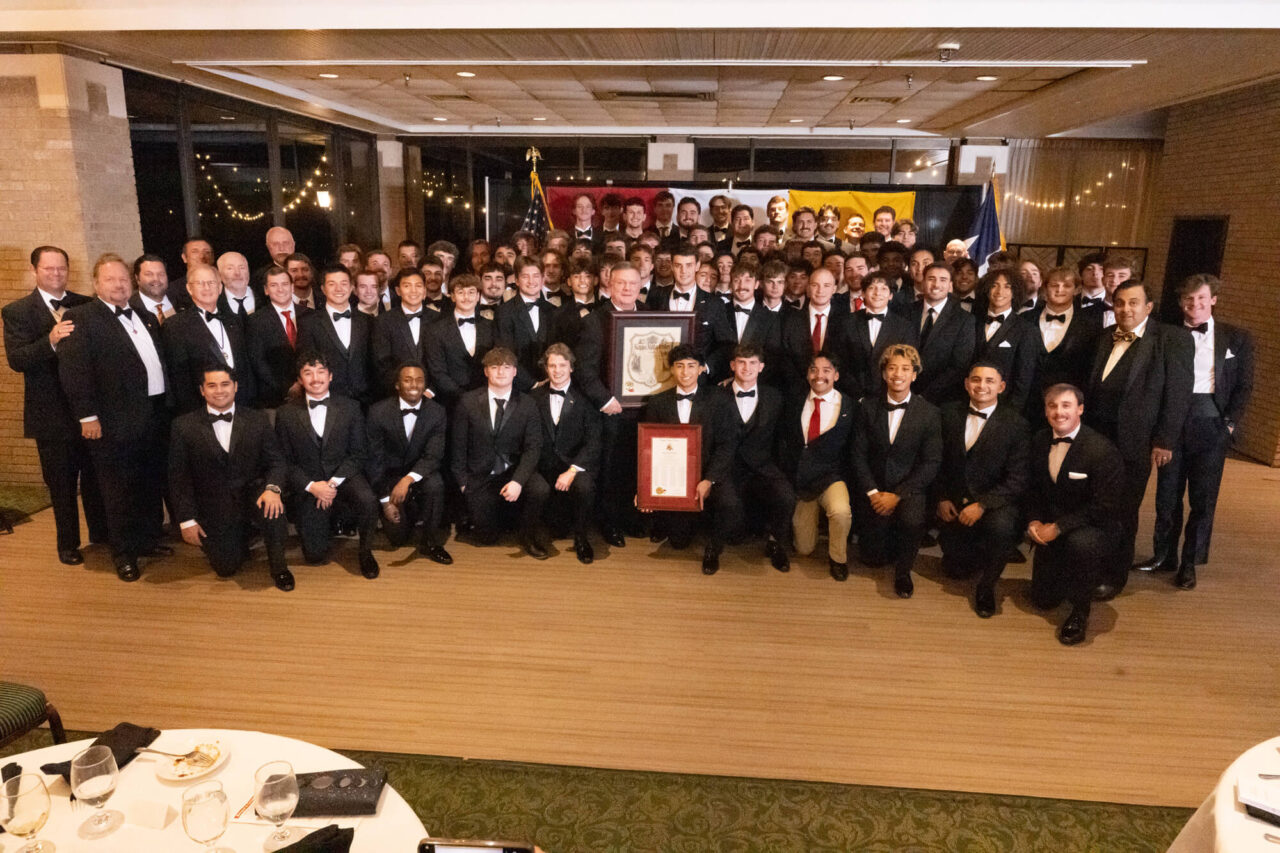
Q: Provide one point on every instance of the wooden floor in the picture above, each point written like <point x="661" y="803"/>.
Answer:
<point x="640" y="662"/>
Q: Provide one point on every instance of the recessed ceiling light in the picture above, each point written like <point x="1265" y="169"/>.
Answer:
<point x="539" y="118"/>
<point x="795" y="120"/>
<point x="329" y="76"/>
<point x="439" y="118"/>
<point x="466" y="73"/>
<point x="227" y="118"/>
<point x="949" y="45"/>
<point x="833" y="78"/>
<point x="904" y="121"/>
<point x="987" y="78"/>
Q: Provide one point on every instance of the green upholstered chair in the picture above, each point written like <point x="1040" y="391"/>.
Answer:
<point x="22" y="708"/>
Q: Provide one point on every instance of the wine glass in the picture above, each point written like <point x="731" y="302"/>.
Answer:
<point x="204" y="813"/>
<point x="24" y="808"/>
<point x="93" y="780"/>
<point x="275" y="796"/>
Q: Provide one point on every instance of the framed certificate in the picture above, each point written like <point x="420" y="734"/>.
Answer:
<point x="670" y="467"/>
<point x="638" y="342"/>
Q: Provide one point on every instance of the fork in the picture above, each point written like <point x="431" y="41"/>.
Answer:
<point x="194" y="757"/>
<point x="1269" y="776"/>
<point x="1274" y="839"/>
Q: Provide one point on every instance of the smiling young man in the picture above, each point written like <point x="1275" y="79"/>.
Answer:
<point x="273" y="339"/>
<point x="867" y="334"/>
<point x="342" y="335"/>
<point x="400" y="335"/>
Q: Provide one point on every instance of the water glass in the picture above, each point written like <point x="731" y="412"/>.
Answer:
<point x="24" y="808"/>
<point x="204" y="813"/>
<point x="93" y="780"/>
<point x="275" y="797"/>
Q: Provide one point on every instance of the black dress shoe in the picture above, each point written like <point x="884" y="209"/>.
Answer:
<point x="1158" y="563"/>
<point x="158" y="550"/>
<point x="928" y="539"/>
<point x="1072" y="631"/>
<point x="128" y="572"/>
<point x="678" y="543"/>
<point x="436" y="554"/>
<point x="614" y="537"/>
<point x="72" y="557"/>
<point x="1186" y="577"/>
<point x="368" y="565"/>
<point x="902" y="586"/>
<point x="533" y="549"/>
<point x="778" y="556"/>
<point x="1105" y="592"/>
<point x="839" y="571"/>
<point x="283" y="580"/>
<point x="582" y="547"/>
<point x="711" y="560"/>
<point x="984" y="602"/>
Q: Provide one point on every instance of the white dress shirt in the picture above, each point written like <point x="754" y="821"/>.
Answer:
<point x="747" y="405"/>
<point x="292" y="310"/>
<point x="740" y="320"/>
<point x="830" y="411"/>
<point x="874" y="323"/>
<point x="341" y="326"/>
<point x="532" y="312"/>
<point x="493" y="406"/>
<point x="409" y="422"/>
<point x="164" y="305"/>
<point x="1054" y="332"/>
<point x="895" y="417"/>
<point x="218" y="332"/>
<point x="248" y="302"/>
<point x="825" y="313"/>
<point x="682" y="303"/>
<point x="1058" y="452"/>
<point x="466" y="331"/>
<point x="1203" y="365"/>
<point x="222" y="432"/>
<point x="415" y="323"/>
<point x="993" y="328"/>
<point x="48" y="302"/>
<point x="146" y="348"/>
<point x="1119" y="348"/>
<point x="319" y="415"/>
<point x="684" y="407"/>
<point x="936" y="308"/>
<point x="973" y="425"/>
<point x="557" y="402"/>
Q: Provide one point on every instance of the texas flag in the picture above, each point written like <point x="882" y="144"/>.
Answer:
<point x="985" y="238"/>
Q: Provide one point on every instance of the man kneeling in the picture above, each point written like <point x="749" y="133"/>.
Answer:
<point x="225" y="471"/>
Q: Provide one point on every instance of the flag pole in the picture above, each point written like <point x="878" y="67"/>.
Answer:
<point x="533" y="155"/>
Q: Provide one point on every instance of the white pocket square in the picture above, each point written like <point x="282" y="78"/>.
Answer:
<point x="1229" y="354"/>
<point x="1077" y="475"/>
<point x="1005" y="344"/>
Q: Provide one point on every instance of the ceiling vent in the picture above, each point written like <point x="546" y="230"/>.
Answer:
<point x="453" y="99"/>
<point x="654" y="96"/>
<point x="881" y="101"/>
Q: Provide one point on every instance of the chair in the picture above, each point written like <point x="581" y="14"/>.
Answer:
<point x="22" y="708"/>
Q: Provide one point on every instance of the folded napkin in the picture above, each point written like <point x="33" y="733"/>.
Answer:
<point x="329" y="839"/>
<point x="8" y="772"/>
<point x="340" y="793"/>
<point x="123" y="740"/>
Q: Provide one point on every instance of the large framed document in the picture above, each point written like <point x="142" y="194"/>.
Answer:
<point x="670" y="467"/>
<point x="638" y="343"/>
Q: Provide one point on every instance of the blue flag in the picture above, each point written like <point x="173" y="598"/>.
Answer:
<point x="985" y="238"/>
<point x="536" y="220"/>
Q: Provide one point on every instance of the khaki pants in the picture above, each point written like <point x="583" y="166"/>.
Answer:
<point x="835" y="503"/>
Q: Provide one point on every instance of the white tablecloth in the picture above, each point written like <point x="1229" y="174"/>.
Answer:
<point x="394" y="828"/>
<point x="1221" y="825"/>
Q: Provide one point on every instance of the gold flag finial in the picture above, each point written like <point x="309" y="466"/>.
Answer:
<point x="533" y="155"/>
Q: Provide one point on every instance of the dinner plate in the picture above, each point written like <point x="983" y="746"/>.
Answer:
<point x="179" y="770"/>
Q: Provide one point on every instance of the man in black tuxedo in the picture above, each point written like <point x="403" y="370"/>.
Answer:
<point x="582" y="278"/>
<point x="983" y="477"/>
<point x="204" y="336"/>
<point x="195" y="251"/>
<point x="1004" y="338"/>
<point x="816" y="433"/>
<point x="225" y="477"/>
<point x="1138" y="393"/>
<point x="153" y="295"/>
<point x="457" y="343"/>
<point x="750" y="323"/>
<point x="866" y="334"/>
<point x="406" y="452"/>
<point x="496" y="444"/>
<point x="1068" y="338"/>
<point x="112" y="370"/>
<point x="713" y="331"/>
<point x="1222" y="382"/>
<point x="238" y="297"/>
<point x="570" y="456"/>
<point x="709" y="407"/>
<point x="817" y="327"/>
<point x="1077" y="477"/>
<point x="342" y="335"/>
<point x="35" y="327"/>
<point x="897" y="451"/>
<point x="399" y="335"/>
<point x="323" y="440"/>
<point x="272" y="332"/>
<point x="584" y="211"/>
<point x="947" y="336"/>
<point x="524" y="323"/>
<point x="757" y="476"/>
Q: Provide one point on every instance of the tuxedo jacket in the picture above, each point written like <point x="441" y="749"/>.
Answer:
<point x="1158" y="378"/>
<point x="190" y="346"/>
<point x="797" y="341"/>
<point x="576" y="440"/>
<point x="712" y="410"/>
<point x="713" y="331"/>
<point x="515" y="331"/>
<point x="393" y="345"/>
<point x="352" y="366"/>
<point x="859" y="359"/>
<point x="476" y="447"/>
<point x="758" y="450"/>
<point x="590" y="370"/>
<point x="209" y="484"/>
<point x="136" y="303"/>
<point x="595" y="234"/>
<point x="272" y="357"/>
<point x="392" y="455"/>
<point x="103" y="374"/>
<point x="451" y="370"/>
<point x="1072" y="359"/>
<point x="947" y="352"/>
<point x="1016" y="348"/>
<point x="260" y="301"/>
<point x="910" y="463"/>
<point x="816" y="465"/>
<point x="46" y="414"/>
<point x="994" y="472"/>
<point x="763" y="330"/>
<point x="1232" y="370"/>
<point x="1089" y="486"/>
<point x="567" y="324"/>
<point x="340" y="452"/>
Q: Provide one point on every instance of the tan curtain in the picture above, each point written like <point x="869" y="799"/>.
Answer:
<point x="1094" y="192"/>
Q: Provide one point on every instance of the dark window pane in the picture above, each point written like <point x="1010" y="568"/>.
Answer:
<point x="153" y="136"/>
<point x="721" y="162"/>
<point x="233" y="192"/>
<point x="363" y="220"/>
<point x="307" y="177"/>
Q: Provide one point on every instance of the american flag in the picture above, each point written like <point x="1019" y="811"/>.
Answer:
<point x="536" y="219"/>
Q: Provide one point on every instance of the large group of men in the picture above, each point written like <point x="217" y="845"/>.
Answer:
<point x="844" y="377"/>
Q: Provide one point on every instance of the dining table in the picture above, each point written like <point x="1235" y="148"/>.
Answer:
<point x="1221" y="824"/>
<point x="152" y="805"/>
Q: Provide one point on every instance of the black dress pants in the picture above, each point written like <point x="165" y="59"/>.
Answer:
<point x="893" y="539"/>
<point x="490" y="511"/>
<point x="716" y="517"/>
<point x="982" y="549"/>
<point x="617" y="484"/>
<point x="132" y="475"/>
<point x="577" y="504"/>
<point x="313" y="523"/>
<point x="67" y="470"/>
<point x="766" y="501"/>
<point x="425" y="503"/>
<point x="1070" y="567"/>
<point x="226" y="542"/>
<point x="1196" y="468"/>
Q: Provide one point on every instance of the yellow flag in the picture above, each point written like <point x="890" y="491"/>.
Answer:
<point x="851" y="202"/>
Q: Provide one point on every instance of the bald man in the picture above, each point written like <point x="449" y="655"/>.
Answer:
<point x="955" y="250"/>
<point x="280" y="246"/>
<point x="206" y="334"/>
<point x="237" y="296"/>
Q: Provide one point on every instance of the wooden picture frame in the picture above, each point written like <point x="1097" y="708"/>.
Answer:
<point x="670" y="467"/>
<point x="638" y="343"/>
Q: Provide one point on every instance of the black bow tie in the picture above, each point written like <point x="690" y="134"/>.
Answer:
<point x="794" y="303"/>
<point x="1090" y="301"/>
<point x="871" y="316"/>
<point x="531" y="305"/>
<point x="1030" y="303"/>
<point x="209" y="316"/>
<point x="893" y="407"/>
<point x="977" y="414"/>
<point x="338" y="315"/>
<point x="407" y="412"/>
<point x="675" y="294"/>
<point x="225" y="416"/>
<point x="559" y="393"/>
<point x="750" y="393"/>
<point x="967" y="300"/>
<point x="1066" y="439"/>
<point x="586" y="233"/>
<point x="740" y="243"/>
<point x="680" y="396"/>
<point x="995" y="318"/>
<point x="739" y="309"/>
<point x="1055" y="318"/>
<point x="1203" y="328"/>
<point x="124" y="312"/>
<point x="313" y="403"/>
<point x="462" y="320"/>
<point x="55" y="304"/>
<point x="414" y="316"/>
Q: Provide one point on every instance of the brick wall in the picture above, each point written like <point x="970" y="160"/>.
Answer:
<point x="66" y="178"/>
<point x="1222" y="158"/>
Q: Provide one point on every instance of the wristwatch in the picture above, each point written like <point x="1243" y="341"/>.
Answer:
<point x="272" y="488"/>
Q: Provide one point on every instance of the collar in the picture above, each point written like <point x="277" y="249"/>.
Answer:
<point x="1069" y="310"/>
<point x="750" y="306"/>
<point x="987" y="411"/>
<point x="458" y="316"/>
<point x="527" y="301"/>
<point x="152" y="304"/>
<point x="617" y="308"/>
<point x="404" y="405"/>
<point x="49" y="297"/>
<point x="291" y="307"/>
<point x="309" y="397"/>
<point x="506" y="395"/>
<point x="1209" y="321"/>
<point x="406" y="310"/>
<point x="737" y="387"/>
<point x="564" y="388"/>
<point x="1140" y="328"/>
<point x="213" y="411"/>
<point x="890" y="401"/>
<point x="332" y="310"/>
<point x="1071" y="435"/>
<point x="936" y="306"/>
<point x="826" y="398"/>
<point x="1100" y="294"/>
<point x="814" y="309"/>
<point x="1003" y="314"/>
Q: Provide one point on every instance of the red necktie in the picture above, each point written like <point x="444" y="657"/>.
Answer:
<point x="815" y="421"/>
<point x="290" y="329"/>
<point x="857" y="303"/>
<point x="817" y="332"/>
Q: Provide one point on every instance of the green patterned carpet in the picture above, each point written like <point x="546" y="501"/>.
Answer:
<point x="579" y="810"/>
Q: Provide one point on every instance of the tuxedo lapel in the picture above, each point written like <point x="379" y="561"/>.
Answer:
<point x="327" y="322"/>
<point x="237" y="435"/>
<point x="1220" y="347"/>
